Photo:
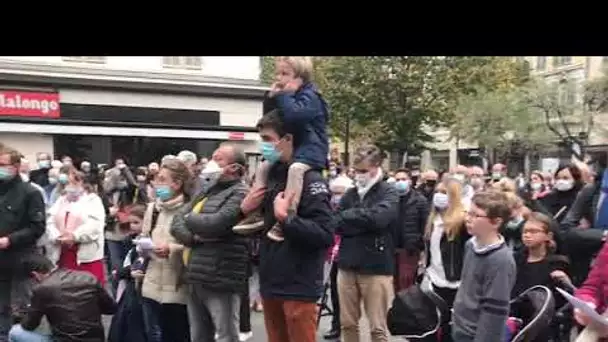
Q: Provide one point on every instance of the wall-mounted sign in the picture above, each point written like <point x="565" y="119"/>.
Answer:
<point x="236" y="136"/>
<point x="30" y="104"/>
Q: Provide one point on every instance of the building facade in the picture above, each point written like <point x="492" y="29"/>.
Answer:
<point x="447" y="153"/>
<point x="137" y="108"/>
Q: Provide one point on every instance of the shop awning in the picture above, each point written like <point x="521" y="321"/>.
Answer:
<point x="39" y="128"/>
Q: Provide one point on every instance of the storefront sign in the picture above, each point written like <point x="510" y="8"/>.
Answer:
<point x="236" y="136"/>
<point x="21" y="103"/>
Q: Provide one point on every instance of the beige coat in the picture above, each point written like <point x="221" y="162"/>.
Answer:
<point x="162" y="279"/>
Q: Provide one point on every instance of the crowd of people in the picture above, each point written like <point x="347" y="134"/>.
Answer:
<point x="188" y="246"/>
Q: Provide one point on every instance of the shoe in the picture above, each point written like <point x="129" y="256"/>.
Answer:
<point x="276" y="233"/>
<point x="245" y="336"/>
<point x="332" y="334"/>
<point x="253" y="223"/>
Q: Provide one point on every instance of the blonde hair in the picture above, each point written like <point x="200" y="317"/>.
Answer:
<point x="302" y="66"/>
<point x="454" y="216"/>
<point x="505" y="185"/>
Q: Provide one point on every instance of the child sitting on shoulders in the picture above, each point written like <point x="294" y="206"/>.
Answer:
<point x="305" y="116"/>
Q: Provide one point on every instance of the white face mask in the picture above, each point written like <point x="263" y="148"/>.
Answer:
<point x="536" y="186"/>
<point x="362" y="179"/>
<point x="210" y="174"/>
<point x="564" y="184"/>
<point x="459" y="177"/>
<point x="440" y="200"/>
<point x="25" y="177"/>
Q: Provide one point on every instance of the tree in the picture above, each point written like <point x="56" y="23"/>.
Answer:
<point x="266" y="69"/>
<point x="571" y="118"/>
<point x="399" y="100"/>
<point x="501" y="121"/>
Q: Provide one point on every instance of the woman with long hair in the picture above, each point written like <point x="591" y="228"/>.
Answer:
<point x="445" y="237"/>
<point x="164" y="295"/>
<point x="75" y="227"/>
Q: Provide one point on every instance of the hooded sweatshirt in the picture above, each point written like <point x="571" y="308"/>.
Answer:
<point x="481" y="306"/>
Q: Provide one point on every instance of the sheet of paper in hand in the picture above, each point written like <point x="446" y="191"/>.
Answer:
<point x="584" y="307"/>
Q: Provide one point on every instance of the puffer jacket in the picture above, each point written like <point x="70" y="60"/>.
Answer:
<point x="219" y="258"/>
<point x="306" y="115"/>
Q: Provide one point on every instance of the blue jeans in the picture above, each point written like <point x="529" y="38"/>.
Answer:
<point x="18" y="334"/>
<point x="165" y="322"/>
<point x="117" y="251"/>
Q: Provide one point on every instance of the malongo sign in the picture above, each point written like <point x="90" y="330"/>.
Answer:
<point x="22" y="103"/>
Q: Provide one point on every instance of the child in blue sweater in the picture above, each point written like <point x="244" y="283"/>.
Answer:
<point x="305" y="116"/>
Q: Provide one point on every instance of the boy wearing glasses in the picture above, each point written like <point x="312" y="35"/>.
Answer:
<point x="481" y="306"/>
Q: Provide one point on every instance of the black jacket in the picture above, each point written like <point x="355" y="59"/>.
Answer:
<point x="73" y="302"/>
<point x="556" y="200"/>
<point x="293" y="269"/>
<point x="452" y="254"/>
<point x="367" y="244"/>
<point x="40" y="176"/>
<point x="22" y="219"/>
<point x="411" y="219"/>
<point x="219" y="257"/>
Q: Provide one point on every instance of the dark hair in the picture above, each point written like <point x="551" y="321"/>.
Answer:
<point x="35" y="262"/>
<point x="138" y="211"/>
<point x="574" y="171"/>
<point x="141" y="171"/>
<point x="273" y="120"/>
<point x="404" y="170"/>
<point x="495" y="203"/>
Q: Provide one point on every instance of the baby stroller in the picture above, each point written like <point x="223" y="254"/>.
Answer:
<point x="536" y="308"/>
<point x="417" y="313"/>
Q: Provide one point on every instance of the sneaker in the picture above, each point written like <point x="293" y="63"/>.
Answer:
<point x="253" y="223"/>
<point x="276" y="233"/>
<point x="245" y="336"/>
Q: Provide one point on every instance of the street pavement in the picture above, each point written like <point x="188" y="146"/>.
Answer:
<point x="259" y="332"/>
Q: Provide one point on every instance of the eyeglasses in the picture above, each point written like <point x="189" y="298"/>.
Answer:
<point x="533" y="231"/>
<point x="475" y="215"/>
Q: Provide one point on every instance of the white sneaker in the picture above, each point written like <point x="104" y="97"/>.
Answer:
<point x="245" y="336"/>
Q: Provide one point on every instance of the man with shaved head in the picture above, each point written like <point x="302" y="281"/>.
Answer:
<point x="428" y="181"/>
<point x="477" y="178"/>
<point x="499" y="171"/>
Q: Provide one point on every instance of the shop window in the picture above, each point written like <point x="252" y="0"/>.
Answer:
<point x="183" y="62"/>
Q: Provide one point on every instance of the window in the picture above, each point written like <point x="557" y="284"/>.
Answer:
<point x="180" y="62"/>
<point x="541" y="63"/>
<point x="561" y="60"/>
<point x="85" y="59"/>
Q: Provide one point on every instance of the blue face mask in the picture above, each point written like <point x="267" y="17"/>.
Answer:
<point x="402" y="186"/>
<point x="44" y="164"/>
<point x="163" y="192"/>
<point x="6" y="174"/>
<point x="63" y="179"/>
<point x="269" y="152"/>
